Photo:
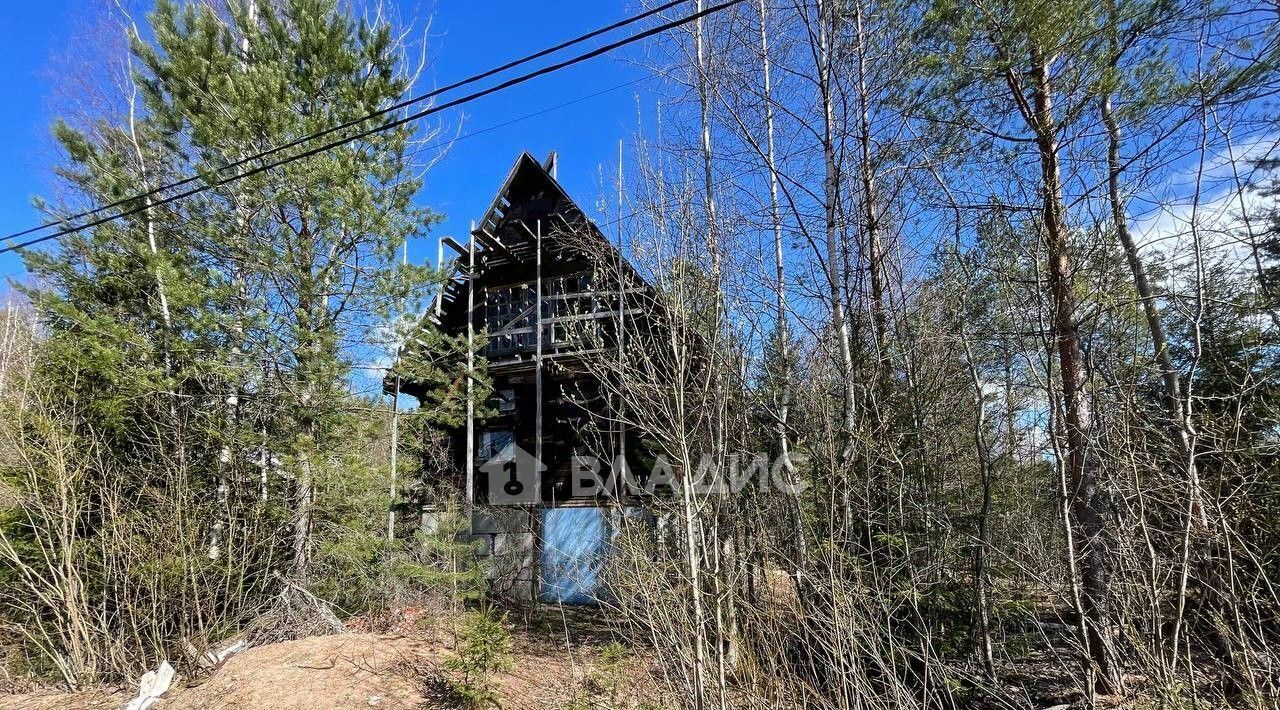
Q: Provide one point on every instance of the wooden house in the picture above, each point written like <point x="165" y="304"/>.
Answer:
<point x="541" y="294"/>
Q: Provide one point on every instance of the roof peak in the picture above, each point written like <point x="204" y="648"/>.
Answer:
<point x="524" y="165"/>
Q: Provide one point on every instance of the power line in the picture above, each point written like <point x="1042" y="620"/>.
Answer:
<point x="386" y="126"/>
<point x="354" y="122"/>
<point x="646" y="209"/>
<point x="525" y="117"/>
<point x="472" y="134"/>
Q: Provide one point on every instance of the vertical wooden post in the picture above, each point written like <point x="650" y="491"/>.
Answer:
<point x="537" y="363"/>
<point x="440" y="265"/>
<point x="535" y="520"/>
<point x="622" y="341"/>
<point x="439" y="310"/>
<point x="395" y="434"/>
<point x="471" y="365"/>
<point x="395" y="447"/>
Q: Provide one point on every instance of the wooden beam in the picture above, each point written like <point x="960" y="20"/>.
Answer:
<point x="595" y="315"/>
<point x="585" y="294"/>
<point x="532" y="235"/>
<point x="454" y="245"/>
<point x="580" y="353"/>
<point x="491" y="241"/>
<point x="508" y="329"/>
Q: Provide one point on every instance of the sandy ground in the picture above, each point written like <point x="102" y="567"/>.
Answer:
<point x="87" y="700"/>
<point x="356" y="670"/>
<point x="318" y="673"/>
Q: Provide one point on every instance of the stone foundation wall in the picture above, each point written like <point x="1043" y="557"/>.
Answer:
<point x="508" y="550"/>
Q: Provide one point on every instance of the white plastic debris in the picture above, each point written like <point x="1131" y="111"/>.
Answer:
<point x="228" y="650"/>
<point x="214" y="657"/>
<point x="153" y="685"/>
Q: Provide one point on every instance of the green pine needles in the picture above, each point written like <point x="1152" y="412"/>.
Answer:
<point x="198" y="362"/>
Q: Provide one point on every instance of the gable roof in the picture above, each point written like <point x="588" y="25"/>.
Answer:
<point x="530" y="201"/>
<point x="530" y="204"/>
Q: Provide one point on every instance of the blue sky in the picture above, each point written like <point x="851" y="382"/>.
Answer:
<point x="464" y="36"/>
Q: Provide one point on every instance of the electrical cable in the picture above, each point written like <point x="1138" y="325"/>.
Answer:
<point x="388" y="126"/>
<point x="381" y="112"/>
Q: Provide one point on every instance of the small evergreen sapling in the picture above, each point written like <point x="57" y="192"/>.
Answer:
<point x="484" y="649"/>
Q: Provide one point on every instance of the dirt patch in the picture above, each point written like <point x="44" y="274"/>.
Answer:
<point x="317" y="673"/>
<point x="403" y="668"/>
<point x="86" y="700"/>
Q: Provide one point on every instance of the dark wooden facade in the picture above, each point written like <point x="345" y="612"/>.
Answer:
<point x="543" y="294"/>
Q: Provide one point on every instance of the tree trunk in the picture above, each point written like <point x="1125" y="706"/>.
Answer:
<point x="300" y="569"/>
<point x="1085" y="503"/>
<point x="782" y="335"/>
<point x="870" y="209"/>
<point x="879" y="503"/>
<point x="307" y="356"/>
<point x="1183" y="427"/>
<point x="834" y="243"/>
<point x="983" y="451"/>
<point x="704" y="109"/>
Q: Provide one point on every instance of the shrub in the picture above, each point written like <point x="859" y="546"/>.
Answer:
<point x="483" y="649"/>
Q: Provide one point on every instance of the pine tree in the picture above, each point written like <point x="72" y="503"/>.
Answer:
<point x="202" y="351"/>
<point x="309" y="249"/>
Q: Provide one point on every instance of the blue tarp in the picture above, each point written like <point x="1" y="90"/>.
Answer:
<point x="575" y="545"/>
